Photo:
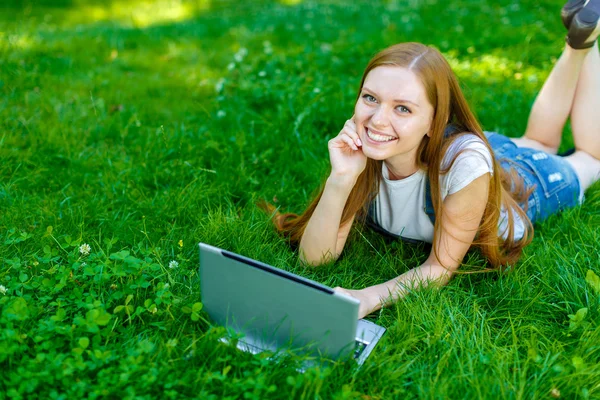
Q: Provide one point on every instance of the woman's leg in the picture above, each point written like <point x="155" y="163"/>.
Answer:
<point x="585" y="113"/>
<point x="554" y="103"/>
<point x="585" y="121"/>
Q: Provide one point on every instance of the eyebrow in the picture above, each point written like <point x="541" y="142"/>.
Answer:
<point x="395" y="100"/>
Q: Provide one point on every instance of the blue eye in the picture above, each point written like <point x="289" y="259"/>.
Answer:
<point x="369" y="98"/>
<point x="403" y="109"/>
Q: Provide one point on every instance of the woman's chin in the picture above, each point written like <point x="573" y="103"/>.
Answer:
<point x="373" y="154"/>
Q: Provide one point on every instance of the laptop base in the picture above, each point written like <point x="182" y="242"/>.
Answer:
<point x="367" y="336"/>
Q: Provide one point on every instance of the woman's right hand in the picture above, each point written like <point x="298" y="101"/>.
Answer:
<point x="345" y="152"/>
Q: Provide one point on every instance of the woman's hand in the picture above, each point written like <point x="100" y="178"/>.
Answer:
<point x="345" y="152"/>
<point x="366" y="302"/>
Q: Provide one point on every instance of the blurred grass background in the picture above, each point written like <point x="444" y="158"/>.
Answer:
<point x="144" y="127"/>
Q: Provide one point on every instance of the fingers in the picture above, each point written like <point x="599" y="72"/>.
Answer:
<point x="348" y="140"/>
<point x="341" y="290"/>
<point x="350" y="130"/>
<point x="347" y="137"/>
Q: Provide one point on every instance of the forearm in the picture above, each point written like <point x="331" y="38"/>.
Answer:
<point x="318" y="243"/>
<point x="389" y="292"/>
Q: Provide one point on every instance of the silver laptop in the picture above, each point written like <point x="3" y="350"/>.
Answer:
<point x="272" y="309"/>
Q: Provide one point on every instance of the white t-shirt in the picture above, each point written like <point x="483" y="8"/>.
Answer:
<point x="399" y="207"/>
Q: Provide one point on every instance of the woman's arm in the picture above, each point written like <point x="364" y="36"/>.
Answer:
<point x="323" y="239"/>
<point x="461" y="218"/>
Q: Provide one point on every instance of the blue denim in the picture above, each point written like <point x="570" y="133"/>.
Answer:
<point x="556" y="184"/>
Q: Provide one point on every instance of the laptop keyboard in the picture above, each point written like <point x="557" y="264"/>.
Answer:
<point x="359" y="348"/>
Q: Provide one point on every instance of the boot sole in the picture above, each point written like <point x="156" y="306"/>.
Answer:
<point x="570" y="9"/>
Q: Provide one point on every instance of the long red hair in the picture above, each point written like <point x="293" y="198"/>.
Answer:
<point x="449" y="104"/>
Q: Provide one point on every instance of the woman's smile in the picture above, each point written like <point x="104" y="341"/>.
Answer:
<point x="378" y="137"/>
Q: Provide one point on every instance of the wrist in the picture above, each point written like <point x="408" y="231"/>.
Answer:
<point x="372" y="300"/>
<point x="342" y="181"/>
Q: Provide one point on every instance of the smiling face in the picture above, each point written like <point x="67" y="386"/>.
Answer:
<point x="392" y="117"/>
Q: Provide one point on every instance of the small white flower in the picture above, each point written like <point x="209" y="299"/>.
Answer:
<point x="85" y="249"/>
<point x="83" y="264"/>
<point x="230" y="66"/>
<point x="221" y="114"/>
<point x="316" y="90"/>
<point x="219" y="85"/>
<point x="267" y="47"/>
<point x="2" y="289"/>
<point x="239" y="56"/>
<point x="326" y="47"/>
<point x="173" y="264"/>
<point x="262" y="74"/>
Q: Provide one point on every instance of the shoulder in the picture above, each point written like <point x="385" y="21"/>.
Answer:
<point x="467" y="158"/>
<point x="467" y="147"/>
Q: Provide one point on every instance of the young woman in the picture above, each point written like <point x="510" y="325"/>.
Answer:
<point x="414" y="162"/>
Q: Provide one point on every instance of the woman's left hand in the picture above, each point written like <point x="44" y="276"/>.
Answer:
<point x="366" y="302"/>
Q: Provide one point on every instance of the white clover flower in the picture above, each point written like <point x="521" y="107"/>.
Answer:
<point x="326" y="47"/>
<point x="221" y="114"/>
<point x="2" y="289"/>
<point x="267" y="47"/>
<point x="230" y="66"/>
<point x="173" y="264"/>
<point x="219" y="85"/>
<point x="85" y="249"/>
<point x="239" y="56"/>
<point x="316" y="90"/>
<point x="262" y="74"/>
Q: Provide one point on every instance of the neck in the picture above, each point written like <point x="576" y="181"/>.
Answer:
<point x="400" y="170"/>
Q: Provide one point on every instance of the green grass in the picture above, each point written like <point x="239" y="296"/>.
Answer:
<point x="132" y="127"/>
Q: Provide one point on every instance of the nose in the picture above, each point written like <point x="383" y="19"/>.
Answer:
<point x="380" y="117"/>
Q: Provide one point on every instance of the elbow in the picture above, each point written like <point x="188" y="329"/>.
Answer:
<point x="314" y="260"/>
<point x="311" y="262"/>
<point x="441" y="275"/>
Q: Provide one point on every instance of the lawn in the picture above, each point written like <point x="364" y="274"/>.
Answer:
<point x="132" y="130"/>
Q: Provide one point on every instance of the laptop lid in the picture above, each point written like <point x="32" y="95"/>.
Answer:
<point x="274" y="308"/>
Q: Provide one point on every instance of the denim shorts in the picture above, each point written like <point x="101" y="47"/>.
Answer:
<point x="555" y="181"/>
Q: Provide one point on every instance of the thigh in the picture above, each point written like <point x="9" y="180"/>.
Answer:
<point x="586" y="167"/>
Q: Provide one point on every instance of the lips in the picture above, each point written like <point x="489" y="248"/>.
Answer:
<point x="378" y="137"/>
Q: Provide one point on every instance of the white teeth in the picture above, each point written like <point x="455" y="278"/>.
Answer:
<point x="379" y="138"/>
